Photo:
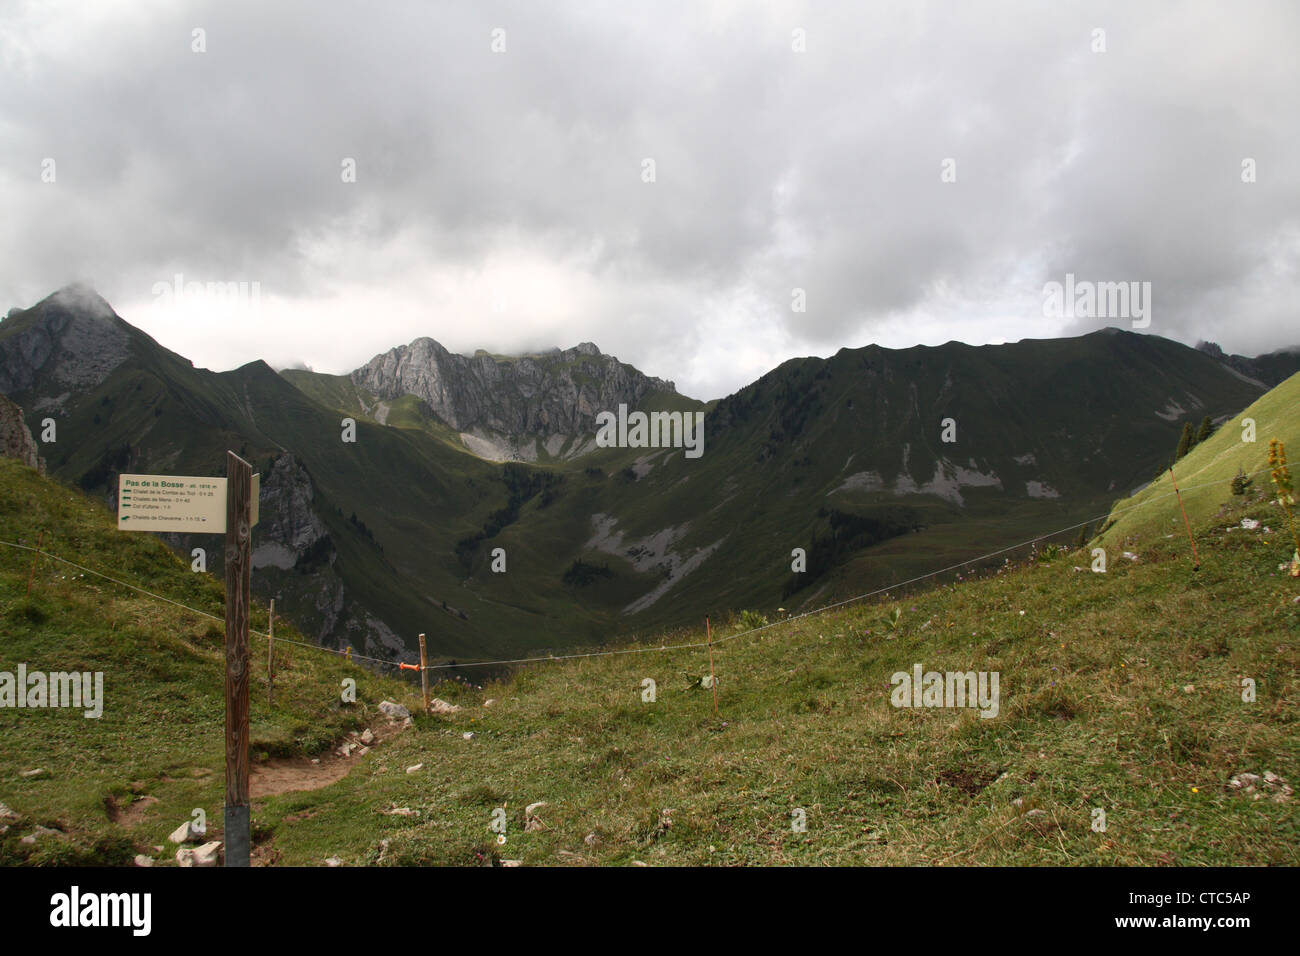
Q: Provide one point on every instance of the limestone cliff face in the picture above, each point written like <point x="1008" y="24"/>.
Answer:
<point x="288" y="527"/>
<point x="505" y="407"/>
<point x="291" y="537"/>
<point x="16" y="439"/>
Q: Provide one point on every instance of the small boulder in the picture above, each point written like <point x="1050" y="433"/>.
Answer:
<point x="367" y="738"/>
<point x="142" y="860"/>
<point x="207" y="855"/>
<point x="186" y="833"/>
<point x="393" y="710"/>
<point x="440" y="706"/>
<point x="333" y="861"/>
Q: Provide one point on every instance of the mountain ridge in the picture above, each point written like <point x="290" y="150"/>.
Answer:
<point x="368" y="543"/>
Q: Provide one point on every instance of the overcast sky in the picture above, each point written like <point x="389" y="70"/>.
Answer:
<point x="500" y="197"/>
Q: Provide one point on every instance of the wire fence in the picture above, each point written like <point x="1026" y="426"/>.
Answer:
<point x="353" y="656"/>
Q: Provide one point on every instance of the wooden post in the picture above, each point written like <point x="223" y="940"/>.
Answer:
<point x="40" y="536"/>
<point x="424" y="676"/>
<point x="1196" y="558"/>
<point x="713" y="680"/>
<point x="270" y="653"/>
<point x="239" y="493"/>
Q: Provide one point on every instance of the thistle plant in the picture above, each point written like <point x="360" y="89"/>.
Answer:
<point x="1281" y="476"/>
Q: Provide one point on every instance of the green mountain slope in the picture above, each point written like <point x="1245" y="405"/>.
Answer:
<point x="369" y="543"/>
<point x="1205" y="475"/>
<point x="116" y="785"/>
<point x="1119" y="692"/>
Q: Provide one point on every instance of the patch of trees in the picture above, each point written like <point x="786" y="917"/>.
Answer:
<point x="316" y="556"/>
<point x="580" y="573"/>
<point x="522" y="485"/>
<point x="846" y="533"/>
<point x="1190" y="437"/>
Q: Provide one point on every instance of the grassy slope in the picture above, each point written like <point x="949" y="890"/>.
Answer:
<point x="1205" y="475"/>
<point x="1095" y="712"/>
<point x="161" y="733"/>
<point x="1119" y="691"/>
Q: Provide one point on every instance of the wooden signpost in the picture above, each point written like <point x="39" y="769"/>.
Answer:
<point x="238" y="561"/>
<point x="195" y="505"/>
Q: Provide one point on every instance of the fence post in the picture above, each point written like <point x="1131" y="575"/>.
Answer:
<point x="270" y="653"/>
<point x="424" y="675"/>
<point x="713" y="680"/>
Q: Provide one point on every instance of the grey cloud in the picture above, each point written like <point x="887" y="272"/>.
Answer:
<point x="774" y="169"/>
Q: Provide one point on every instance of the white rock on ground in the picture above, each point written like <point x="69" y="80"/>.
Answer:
<point x="531" y="820"/>
<point x="440" y="706"/>
<point x="367" y="738"/>
<point x="413" y="769"/>
<point x="142" y="860"/>
<point x="393" y="710"/>
<point x="333" y="861"/>
<point x="209" y="854"/>
<point x="186" y="833"/>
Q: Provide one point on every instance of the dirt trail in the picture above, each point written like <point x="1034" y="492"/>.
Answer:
<point x="288" y="774"/>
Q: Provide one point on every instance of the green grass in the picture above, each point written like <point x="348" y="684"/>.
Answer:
<point x="1205" y="475"/>
<point x="161" y="734"/>
<point x="1095" y="712"/>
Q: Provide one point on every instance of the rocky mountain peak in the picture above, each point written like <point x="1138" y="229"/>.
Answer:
<point x="73" y="334"/>
<point x="510" y="402"/>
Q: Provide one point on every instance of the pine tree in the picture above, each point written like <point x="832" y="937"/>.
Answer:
<point x="1186" y="442"/>
<point x="1205" y="431"/>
